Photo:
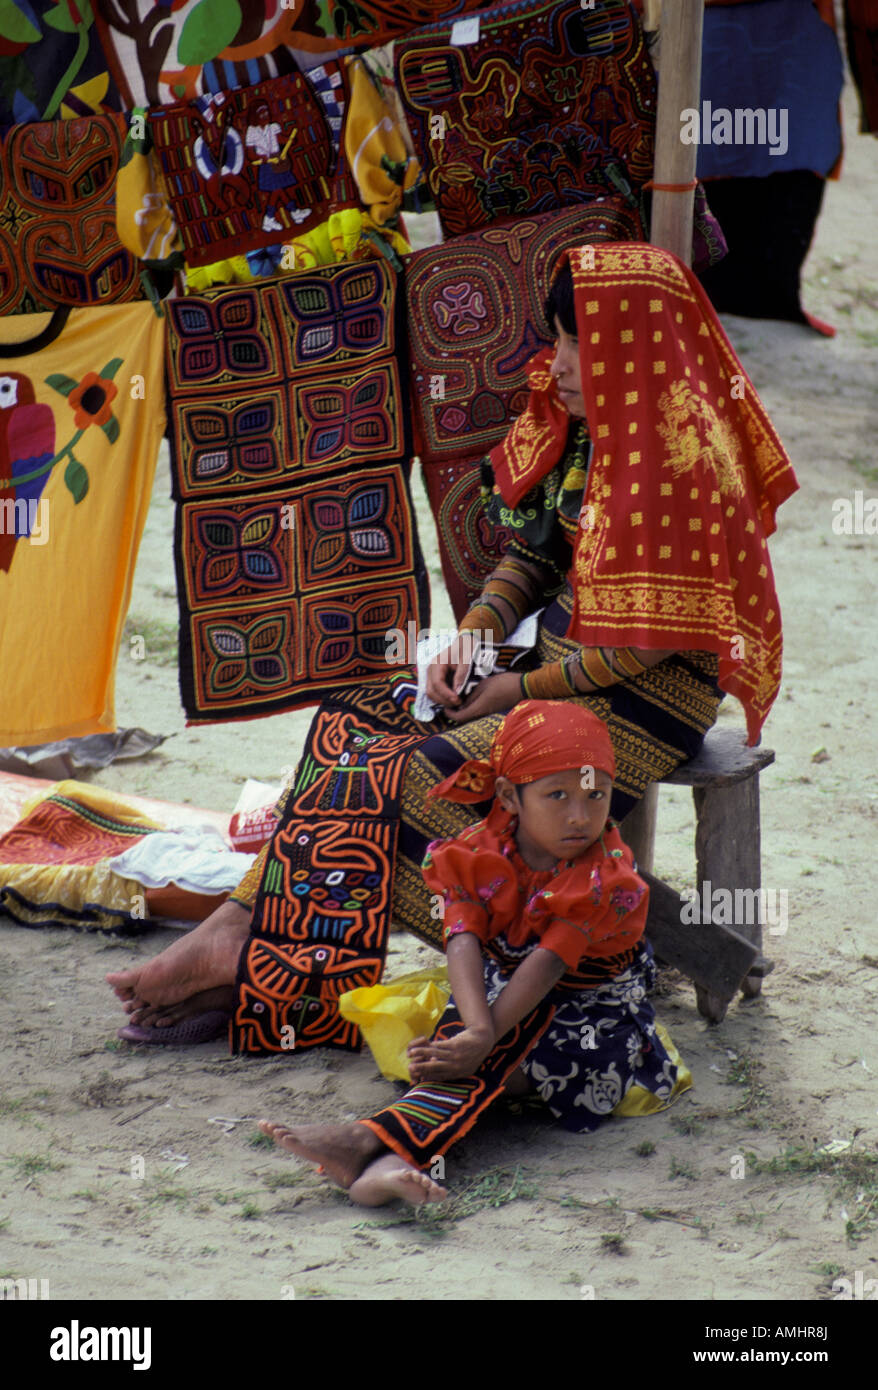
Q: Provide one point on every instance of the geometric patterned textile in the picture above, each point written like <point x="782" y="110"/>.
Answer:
<point x="475" y="311"/>
<point x="470" y="545"/>
<point x="247" y="168"/>
<point x="296" y="544"/>
<point x="322" y="915"/>
<point x="429" y="1118"/>
<point x="376" y="21"/>
<point x="58" y="240"/>
<point x="54" y="863"/>
<point x="552" y="105"/>
<point x="701" y="578"/>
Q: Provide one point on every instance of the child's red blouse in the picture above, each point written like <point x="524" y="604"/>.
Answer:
<point x="593" y="907"/>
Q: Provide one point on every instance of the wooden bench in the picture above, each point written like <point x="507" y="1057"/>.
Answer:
<point x="719" y="959"/>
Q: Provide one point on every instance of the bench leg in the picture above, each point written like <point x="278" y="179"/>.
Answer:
<point x="728" y="857"/>
<point x="711" y="1006"/>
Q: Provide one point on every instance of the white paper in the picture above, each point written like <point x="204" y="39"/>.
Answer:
<point x="525" y="635"/>
<point x="465" y="31"/>
<point x="254" y="795"/>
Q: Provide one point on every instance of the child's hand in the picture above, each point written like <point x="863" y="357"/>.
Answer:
<point x="450" y="1059"/>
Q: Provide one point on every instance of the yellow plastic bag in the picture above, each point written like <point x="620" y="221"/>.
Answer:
<point x="391" y="1015"/>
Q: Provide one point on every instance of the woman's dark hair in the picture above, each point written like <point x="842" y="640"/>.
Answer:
<point x="560" y="303"/>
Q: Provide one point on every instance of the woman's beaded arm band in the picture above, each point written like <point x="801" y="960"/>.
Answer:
<point x="507" y="597"/>
<point x="598" y="666"/>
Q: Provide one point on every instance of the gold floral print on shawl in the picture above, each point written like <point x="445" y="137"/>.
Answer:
<point x="694" y="433"/>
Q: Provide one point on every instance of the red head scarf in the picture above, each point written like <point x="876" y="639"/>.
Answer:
<point x="686" y="475"/>
<point x="536" y="738"/>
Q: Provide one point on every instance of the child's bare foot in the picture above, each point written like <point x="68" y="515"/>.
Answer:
<point x="390" y="1176"/>
<point x="343" y="1150"/>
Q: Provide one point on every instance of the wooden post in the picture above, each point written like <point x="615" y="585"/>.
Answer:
<point x="652" y="15"/>
<point x="682" y="22"/>
<point x="728" y="854"/>
<point x="679" y="87"/>
<point x="638" y="828"/>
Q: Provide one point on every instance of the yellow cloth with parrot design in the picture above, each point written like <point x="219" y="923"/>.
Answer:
<point x="81" y="420"/>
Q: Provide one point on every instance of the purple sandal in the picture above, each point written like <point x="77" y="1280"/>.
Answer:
<point x="201" y="1028"/>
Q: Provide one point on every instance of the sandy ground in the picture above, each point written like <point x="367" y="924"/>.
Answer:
<point x="136" y="1173"/>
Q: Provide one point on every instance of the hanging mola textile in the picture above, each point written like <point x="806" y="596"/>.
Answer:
<point x="375" y="22"/>
<point x="58" y="238"/>
<point x="529" y="107"/>
<point x="256" y="166"/>
<point x="475" y="307"/>
<point x="296" y="543"/>
<point x="81" y="420"/>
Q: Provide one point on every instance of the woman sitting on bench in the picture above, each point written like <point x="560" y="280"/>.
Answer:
<point x="639" y="489"/>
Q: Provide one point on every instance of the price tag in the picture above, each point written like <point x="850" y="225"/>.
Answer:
<point x="464" y="31"/>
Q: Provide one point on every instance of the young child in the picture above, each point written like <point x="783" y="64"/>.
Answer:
<point x="544" y="918"/>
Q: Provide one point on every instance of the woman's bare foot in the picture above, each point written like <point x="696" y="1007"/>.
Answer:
<point x="343" y="1150"/>
<point x="202" y="960"/>
<point x="166" y="1015"/>
<point x="390" y="1176"/>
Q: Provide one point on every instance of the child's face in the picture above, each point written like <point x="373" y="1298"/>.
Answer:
<point x="558" y="817"/>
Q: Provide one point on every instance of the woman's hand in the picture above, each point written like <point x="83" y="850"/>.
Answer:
<point x="446" y="674"/>
<point x="450" y="1059"/>
<point x="494" y="695"/>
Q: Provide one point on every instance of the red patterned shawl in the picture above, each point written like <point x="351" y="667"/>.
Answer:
<point x="686" y="476"/>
